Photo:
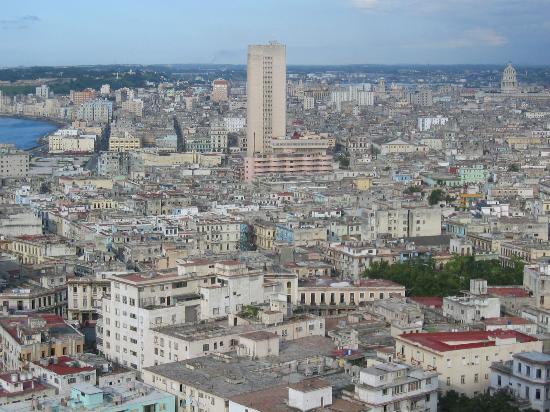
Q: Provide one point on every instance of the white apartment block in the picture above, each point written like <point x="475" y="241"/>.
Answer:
<point x="536" y="279"/>
<point x="218" y="138"/>
<point x="475" y="306"/>
<point x="426" y="123"/>
<point x="526" y="377"/>
<point x="201" y="289"/>
<point x="400" y="222"/>
<point x="234" y="124"/>
<point x="395" y="387"/>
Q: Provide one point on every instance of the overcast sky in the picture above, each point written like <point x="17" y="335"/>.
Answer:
<point x="67" y="32"/>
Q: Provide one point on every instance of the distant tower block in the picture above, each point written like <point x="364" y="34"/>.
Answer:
<point x="509" y="83"/>
<point x="381" y="88"/>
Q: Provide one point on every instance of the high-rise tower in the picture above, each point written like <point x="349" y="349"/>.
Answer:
<point x="266" y="91"/>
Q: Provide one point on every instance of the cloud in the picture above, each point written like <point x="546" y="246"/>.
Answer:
<point x="471" y="38"/>
<point x="486" y="37"/>
<point x="365" y="4"/>
<point x="23" y="22"/>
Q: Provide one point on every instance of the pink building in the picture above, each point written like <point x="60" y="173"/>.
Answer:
<point x="287" y="164"/>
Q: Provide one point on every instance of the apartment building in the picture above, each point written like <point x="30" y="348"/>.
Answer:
<point x="29" y="338"/>
<point x="95" y="111"/>
<point x="124" y="142"/>
<point x="84" y="295"/>
<point x="266" y="96"/>
<point x="80" y="97"/>
<point x="211" y="381"/>
<point x="351" y="258"/>
<point x="401" y="221"/>
<point x="219" y="235"/>
<point x="137" y="303"/>
<point x="330" y="295"/>
<point x="17" y="387"/>
<point x="285" y="164"/>
<point x="13" y="162"/>
<point x="536" y="279"/>
<point x="474" y="306"/>
<point x="62" y="372"/>
<point x="200" y="289"/>
<point x="68" y="144"/>
<point x="36" y="249"/>
<point x="462" y="359"/>
<point x="526" y="376"/>
<point x="220" y="90"/>
<point x="183" y="342"/>
<point x="395" y="387"/>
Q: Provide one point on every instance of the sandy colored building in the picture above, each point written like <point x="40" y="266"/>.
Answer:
<point x="463" y="359"/>
<point x="266" y="91"/>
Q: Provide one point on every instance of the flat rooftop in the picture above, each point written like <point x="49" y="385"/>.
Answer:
<point x="450" y="341"/>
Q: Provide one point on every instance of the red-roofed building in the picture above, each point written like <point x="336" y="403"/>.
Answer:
<point x="63" y="372"/>
<point x="511" y="323"/>
<point x="512" y="298"/>
<point x="432" y="302"/>
<point x="463" y="359"/>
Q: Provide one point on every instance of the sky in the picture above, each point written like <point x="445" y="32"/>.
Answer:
<point x="74" y="32"/>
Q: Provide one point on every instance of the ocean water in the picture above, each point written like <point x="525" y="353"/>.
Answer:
<point x="24" y="133"/>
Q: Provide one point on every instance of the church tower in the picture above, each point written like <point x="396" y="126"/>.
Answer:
<point x="509" y="83"/>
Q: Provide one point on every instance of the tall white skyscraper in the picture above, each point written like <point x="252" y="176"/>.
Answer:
<point x="266" y="90"/>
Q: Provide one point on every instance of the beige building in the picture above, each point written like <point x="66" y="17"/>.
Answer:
<point x="220" y="90"/>
<point x="84" y="296"/>
<point x="72" y="144"/>
<point x="326" y="294"/>
<point x="266" y="91"/>
<point x="28" y="338"/>
<point x="13" y="162"/>
<point x="124" y="142"/>
<point x="462" y="359"/>
<point x="36" y="249"/>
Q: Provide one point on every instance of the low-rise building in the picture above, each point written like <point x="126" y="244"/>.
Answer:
<point x="462" y="359"/>
<point x="474" y="306"/>
<point x="526" y="376"/>
<point x="392" y="386"/>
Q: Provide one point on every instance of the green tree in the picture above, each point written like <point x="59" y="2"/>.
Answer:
<point x="498" y="402"/>
<point x="421" y="277"/>
<point x="513" y="168"/>
<point x="436" y="196"/>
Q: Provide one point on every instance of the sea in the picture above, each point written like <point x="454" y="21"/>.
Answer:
<point x="24" y="133"/>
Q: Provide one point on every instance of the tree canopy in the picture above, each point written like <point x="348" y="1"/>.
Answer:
<point x="452" y="401"/>
<point x="421" y="277"/>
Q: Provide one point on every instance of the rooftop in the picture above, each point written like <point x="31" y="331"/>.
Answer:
<point x="450" y="341"/>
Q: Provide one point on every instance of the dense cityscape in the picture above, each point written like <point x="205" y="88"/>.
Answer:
<point x="274" y="237"/>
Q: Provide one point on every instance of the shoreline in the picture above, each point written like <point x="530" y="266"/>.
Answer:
<point x="39" y="141"/>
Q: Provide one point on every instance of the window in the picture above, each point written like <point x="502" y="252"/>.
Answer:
<point x="537" y="394"/>
<point x="463" y="379"/>
<point x="205" y="347"/>
<point x="448" y="381"/>
<point x="499" y="380"/>
<point x="539" y="373"/>
<point x="476" y="378"/>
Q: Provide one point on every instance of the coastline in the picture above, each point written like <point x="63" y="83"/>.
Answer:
<point x="39" y="141"/>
